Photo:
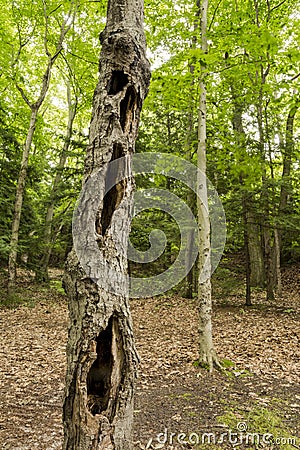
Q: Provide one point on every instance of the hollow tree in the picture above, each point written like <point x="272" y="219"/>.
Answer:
<point x="101" y="356"/>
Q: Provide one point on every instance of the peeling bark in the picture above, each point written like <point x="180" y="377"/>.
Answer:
<point x="101" y="356"/>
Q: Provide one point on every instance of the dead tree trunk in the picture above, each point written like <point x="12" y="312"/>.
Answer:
<point x="101" y="356"/>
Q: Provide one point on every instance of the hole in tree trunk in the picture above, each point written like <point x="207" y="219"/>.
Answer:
<point x="99" y="376"/>
<point x="117" y="82"/>
<point x="127" y="108"/>
<point x="113" y="196"/>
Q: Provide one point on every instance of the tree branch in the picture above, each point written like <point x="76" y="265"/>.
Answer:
<point x="24" y="96"/>
<point x="83" y="59"/>
<point x="214" y="15"/>
<point x="278" y="6"/>
<point x="295" y="77"/>
<point x="46" y="30"/>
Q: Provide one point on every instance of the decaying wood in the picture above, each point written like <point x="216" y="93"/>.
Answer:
<point x="102" y="360"/>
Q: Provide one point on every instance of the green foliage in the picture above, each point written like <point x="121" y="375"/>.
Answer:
<point x="252" y="61"/>
<point x="226" y="363"/>
<point x="260" y="421"/>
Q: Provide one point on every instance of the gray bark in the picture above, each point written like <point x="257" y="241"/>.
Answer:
<point x="207" y="354"/>
<point x="101" y="355"/>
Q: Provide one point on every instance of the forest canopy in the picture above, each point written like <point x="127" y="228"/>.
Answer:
<point x="49" y="68"/>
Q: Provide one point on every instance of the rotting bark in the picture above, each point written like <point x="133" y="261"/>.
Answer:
<point x="101" y="356"/>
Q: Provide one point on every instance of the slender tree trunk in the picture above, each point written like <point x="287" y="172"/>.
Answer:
<point x="189" y="283"/>
<point x="240" y="137"/>
<point x="269" y="263"/>
<point x="101" y="356"/>
<point x="262" y="75"/>
<point x="265" y="198"/>
<point x="277" y="263"/>
<point x="287" y="156"/>
<point x="246" y="245"/>
<point x="34" y="108"/>
<point x="207" y="354"/>
<point x="48" y="242"/>
<point x="247" y="255"/>
<point x="12" y="260"/>
<point x="188" y="262"/>
<point x="255" y="250"/>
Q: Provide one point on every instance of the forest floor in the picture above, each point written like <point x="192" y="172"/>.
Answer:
<point x="177" y="405"/>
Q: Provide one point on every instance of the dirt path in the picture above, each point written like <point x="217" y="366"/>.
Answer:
<point x="260" y="389"/>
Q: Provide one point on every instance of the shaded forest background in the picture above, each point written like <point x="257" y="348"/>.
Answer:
<point x="252" y="126"/>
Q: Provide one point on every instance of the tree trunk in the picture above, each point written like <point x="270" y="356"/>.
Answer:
<point x="265" y="199"/>
<point x="34" y="108"/>
<point x="101" y="356"/>
<point x="12" y="259"/>
<point x="256" y="255"/>
<point x="269" y="263"/>
<point x="246" y="243"/>
<point x="207" y="354"/>
<point x="42" y="271"/>
<point x="287" y="156"/>
<point x="247" y="255"/>
<point x="277" y="263"/>
<point x="190" y="280"/>
<point x="188" y="293"/>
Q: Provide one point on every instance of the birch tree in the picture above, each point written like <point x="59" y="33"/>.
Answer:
<point x="207" y="354"/>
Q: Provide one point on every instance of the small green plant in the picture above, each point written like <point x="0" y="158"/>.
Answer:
<point x="289" y="311"/>
<point x="226" y="363"/>
<point x="57" y="286"/>
<point x="186" y="395"/>
<point x="204" y="366"/>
